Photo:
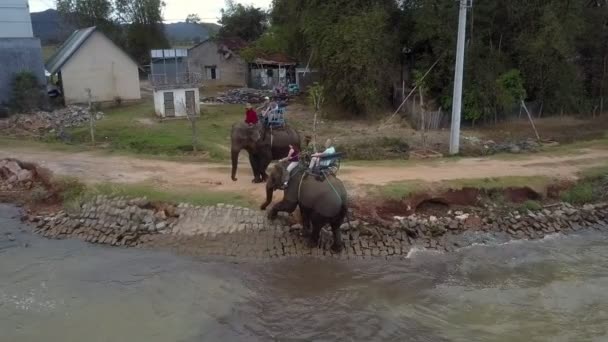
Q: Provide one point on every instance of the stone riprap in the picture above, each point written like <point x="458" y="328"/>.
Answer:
<point x="226" y="230"/>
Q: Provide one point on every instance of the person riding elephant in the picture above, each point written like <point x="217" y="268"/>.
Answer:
<point x="262" y="147"/>
<point x="321" y="202"/>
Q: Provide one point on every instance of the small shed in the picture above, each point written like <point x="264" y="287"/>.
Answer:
<point x="90" y="60"/>
<point x="176" y="89"/>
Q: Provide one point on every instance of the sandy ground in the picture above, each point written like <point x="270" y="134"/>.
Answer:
<point x="93" y="167"/>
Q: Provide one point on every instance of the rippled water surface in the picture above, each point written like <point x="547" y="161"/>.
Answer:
<point x="553" y="290"/>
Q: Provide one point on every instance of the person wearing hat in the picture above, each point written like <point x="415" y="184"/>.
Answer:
<point x="265" y="105"/>
<point x="251" y="117"/>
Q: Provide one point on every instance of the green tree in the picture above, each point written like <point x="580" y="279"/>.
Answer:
<point x="245" y="22"/>
<point x="87" y="13"/>
<point x="193" y="19"/>
<point x="145" y="30"/>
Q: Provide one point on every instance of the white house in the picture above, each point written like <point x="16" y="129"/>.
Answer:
<point x="176" y="89"/>
<point x="90" y="60"/>
<point x="15" y="19"/>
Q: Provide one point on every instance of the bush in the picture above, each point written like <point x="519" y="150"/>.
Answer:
<point x="581" y="193"/>
<point x="376" y="149"/>
<point x="27" y="94"/>
<point x="531" y="205"/>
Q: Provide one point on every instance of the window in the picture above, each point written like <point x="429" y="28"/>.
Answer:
<point x="212" y="72"/>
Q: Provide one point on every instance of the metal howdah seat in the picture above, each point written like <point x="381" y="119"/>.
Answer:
<point x="276" y="117"/>
<point x="334" y="162"/>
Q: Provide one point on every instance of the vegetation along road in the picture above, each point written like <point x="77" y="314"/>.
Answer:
<point x="169" y="175"/>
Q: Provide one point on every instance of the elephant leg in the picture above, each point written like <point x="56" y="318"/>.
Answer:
<point x="306" y="224"/>
<point x="284" y="206"/>
<point x="317" y="222"/>
<point x="263" y="163"/>
<point x="338" y="243"/>
<point x="255" y="167"/>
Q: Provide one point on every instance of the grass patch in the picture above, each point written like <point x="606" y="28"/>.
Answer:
<point x="531" y="206"/>
<point x="376" y="149"/>
<point x="199" y="197"/>
<point x="398" y="190"/>
<point x="135" y="129"/>
<point x="580" y="193"/>
<point x="537" y="183"/>
<point x="592" y="187"/>
<point x="73" y="193"/>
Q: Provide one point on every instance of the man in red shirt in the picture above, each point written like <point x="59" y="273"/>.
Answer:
<point x="251" y="117"/>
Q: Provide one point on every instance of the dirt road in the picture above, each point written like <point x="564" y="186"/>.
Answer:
<point x="93" y="167"/>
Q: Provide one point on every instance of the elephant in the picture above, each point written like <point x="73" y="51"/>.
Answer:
<point x="322" y="200"/>
<point x="263" y="145"/>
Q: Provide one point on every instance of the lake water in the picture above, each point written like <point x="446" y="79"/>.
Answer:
<point x="59" y="291"/>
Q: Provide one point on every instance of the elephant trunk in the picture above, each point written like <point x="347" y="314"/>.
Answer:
<point x="269" y="191"/>
<point x="235" y="161"/>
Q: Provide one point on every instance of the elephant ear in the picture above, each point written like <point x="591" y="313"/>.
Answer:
<point x="276" y="176"/>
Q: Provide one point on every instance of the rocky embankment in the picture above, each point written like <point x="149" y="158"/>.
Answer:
<point x="226" y="230"/>
<point x="40" y="123"/>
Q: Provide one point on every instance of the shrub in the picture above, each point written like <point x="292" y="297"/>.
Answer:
<point x="27" y="94"/>
<point x="581" y="193"/>
<point x="531" y="205"/>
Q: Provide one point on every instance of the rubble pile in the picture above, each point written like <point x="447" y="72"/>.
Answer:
<point x="41" y="123"/>
<point x="239" y="96"/>
<point x="13" y="176"/>
<point x="490" y="147"/>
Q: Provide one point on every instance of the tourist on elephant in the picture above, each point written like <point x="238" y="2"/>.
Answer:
<point x="265" y="107"/>
<point x="315" y="161"/>
<point x="294" y="159"/>
<point x="251" y="117"/>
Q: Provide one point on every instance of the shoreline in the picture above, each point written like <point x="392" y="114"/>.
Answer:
<point x="231" y="231"/>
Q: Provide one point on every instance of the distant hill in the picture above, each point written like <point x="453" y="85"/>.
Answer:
<point x="51" y="29"/>
<point x="189" y="32"/>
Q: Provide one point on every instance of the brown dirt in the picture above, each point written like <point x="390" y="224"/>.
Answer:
<point x="96" y="168"/>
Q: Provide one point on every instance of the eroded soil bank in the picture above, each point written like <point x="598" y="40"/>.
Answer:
<point x="227" y="230"/>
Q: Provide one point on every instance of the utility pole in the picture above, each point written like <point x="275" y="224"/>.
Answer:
<point x="458" y="73"/>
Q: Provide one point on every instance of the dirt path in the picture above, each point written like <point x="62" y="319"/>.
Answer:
<point x="92" y="167"/>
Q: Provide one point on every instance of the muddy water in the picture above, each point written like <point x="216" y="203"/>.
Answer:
<point x="552" y="290"/>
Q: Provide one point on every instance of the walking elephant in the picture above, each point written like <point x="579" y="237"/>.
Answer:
<point x="321" y="201"/>
<point x="263" y="145"/>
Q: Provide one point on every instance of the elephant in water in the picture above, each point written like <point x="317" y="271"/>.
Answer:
<point x="322" y="201"/>
<point x="263" y="145"/>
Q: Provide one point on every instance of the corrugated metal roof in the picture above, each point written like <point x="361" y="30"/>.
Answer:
<point x="68" y="48"/>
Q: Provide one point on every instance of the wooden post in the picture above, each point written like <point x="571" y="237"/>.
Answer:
<point x="531" y="121"/>
<point x="91" y="116"/>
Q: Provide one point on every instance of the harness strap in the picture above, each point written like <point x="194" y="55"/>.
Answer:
<point x="332" y="186"/>
<point x="271" y="137"/>
<point x="300" y="185"/>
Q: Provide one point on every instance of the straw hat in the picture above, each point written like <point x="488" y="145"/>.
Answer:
<point x="248" y="106"/>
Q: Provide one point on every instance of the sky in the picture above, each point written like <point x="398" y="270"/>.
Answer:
<point x="176" y="10"/>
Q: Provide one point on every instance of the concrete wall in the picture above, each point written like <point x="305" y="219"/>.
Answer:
<point x="104" y="68"/>
<point x="231" y="71"/>
<point x="15" y="21"/>
<point x="179" y="99"/>
<point x="18" y="54"/>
